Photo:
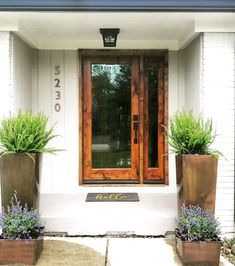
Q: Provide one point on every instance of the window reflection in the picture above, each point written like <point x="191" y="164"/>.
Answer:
<point x="153" y="117"/>
<point x="111" y="109"/>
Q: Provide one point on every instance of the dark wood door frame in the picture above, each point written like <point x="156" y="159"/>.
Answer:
<point x="146" y="175"/>
<point x="109" y="174"/>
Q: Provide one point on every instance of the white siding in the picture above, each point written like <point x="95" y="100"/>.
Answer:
<point x="5" y="76"/>
<point x="34" y="89"/>
<point x="206" y="84"/>
<point x="173" y="105"/>
<point x="217" y="101"/>
<point x="24" y="58"/>
<point x="190" y="76"/>
<point x="60" y="172"/>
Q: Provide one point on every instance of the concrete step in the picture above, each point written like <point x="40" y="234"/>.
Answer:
<point x="154" y="214"/>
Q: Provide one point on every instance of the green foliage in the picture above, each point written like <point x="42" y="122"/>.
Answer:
<point x="195" y="224"/>
<point x="25" y="133"/>
<point x="191" y="135"/>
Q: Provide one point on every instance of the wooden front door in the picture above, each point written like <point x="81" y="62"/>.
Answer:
<point x="123" y="110"/>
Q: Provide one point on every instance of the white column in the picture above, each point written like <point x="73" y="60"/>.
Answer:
<point x="217" y="101"/>
<point x="5" y="73"/>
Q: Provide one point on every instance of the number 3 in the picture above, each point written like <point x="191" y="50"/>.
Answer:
<point x="57" y="95"/>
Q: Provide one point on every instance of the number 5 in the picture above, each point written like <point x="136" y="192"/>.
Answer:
<point x="57" y="70"/>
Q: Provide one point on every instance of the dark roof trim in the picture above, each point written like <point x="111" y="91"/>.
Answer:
<point x="119" y="5"/>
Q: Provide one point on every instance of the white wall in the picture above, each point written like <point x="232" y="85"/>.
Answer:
<point x="24" y="60"/>
<point x="206" y="84"/>
<point x="174" y="103"/>
<point x="34" y="89"/>
<point x="5" y="73"/>
<point x="190" y="75"/>
<point x="60" y="172"/>
<point x="217" y="100"/>
<point x="17" y="73"/>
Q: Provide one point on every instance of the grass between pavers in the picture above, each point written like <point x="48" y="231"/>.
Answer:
<point x="228" y="249"/>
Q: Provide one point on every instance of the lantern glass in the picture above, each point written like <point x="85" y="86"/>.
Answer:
<point x="109" y="37"/>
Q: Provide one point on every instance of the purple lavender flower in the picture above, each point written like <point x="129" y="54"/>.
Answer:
<point x="195" y="224"/>
<point x="19" y="222"/>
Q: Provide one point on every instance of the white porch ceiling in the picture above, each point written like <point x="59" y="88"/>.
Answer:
<point x="144" y="30"/>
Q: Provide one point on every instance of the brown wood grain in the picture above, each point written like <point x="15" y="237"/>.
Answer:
<point x="20" y="251"/>
<point x="122" y="52"/>
<point x="20" y="173"/>
<point x="161" y="119"/>
<point x="199" y="176"/>
<point x="145" y="124"/>
<point x="157" y="173"/>
<point x="112" y="174"/>
<point x="134" y="111"/>
<point x="87" y="120"/>
<point x="141" y="121"/>
<point x="139" y="61"/>
<point x="198" y="253"/>
<point x="80" y="108"/>
<point x="165" y="152"/>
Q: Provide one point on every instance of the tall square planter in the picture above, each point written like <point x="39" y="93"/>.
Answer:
<point x="20" y="173"/>
<point x="198" y="253"/>
<point x="20" y="251"/>
<point x="197" y="176"/>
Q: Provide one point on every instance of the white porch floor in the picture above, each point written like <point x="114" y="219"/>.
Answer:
<point x="154" y="214"/>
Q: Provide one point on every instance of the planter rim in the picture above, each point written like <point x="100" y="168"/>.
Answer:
<point x="194" y="154"/>
<point x="201" y="242"/>
<point x="33" y="239"/>
<point x="18" y="153"/>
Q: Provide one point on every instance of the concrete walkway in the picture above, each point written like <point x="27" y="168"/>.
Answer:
<point x="88" y="251"/>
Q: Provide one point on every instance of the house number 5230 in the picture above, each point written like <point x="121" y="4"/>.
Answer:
<point x="57" y="88"/>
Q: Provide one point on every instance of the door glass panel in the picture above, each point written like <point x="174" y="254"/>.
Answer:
<point x="152" y="117"/>
<point x="111" y="116"/>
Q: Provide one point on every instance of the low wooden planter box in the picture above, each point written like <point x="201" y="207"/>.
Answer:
<point x="202" y="253"/>
<point x="20" y="251"/>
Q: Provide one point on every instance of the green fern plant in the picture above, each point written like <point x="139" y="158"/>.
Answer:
<point x="25" y="133"/>
<point x="189" y="134"/>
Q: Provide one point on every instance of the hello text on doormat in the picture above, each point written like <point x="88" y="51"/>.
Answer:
<point x="112" y="197"/>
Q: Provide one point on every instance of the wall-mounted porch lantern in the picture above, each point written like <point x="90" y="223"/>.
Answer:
<point x="109" y="36"/>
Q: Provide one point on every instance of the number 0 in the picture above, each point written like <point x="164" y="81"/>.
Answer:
<point x="57" y="107"/>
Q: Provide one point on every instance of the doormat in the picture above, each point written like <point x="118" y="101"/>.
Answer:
<point x="112" y="197"/>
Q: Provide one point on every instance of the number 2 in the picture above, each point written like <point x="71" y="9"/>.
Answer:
<point x="57" y="84"/>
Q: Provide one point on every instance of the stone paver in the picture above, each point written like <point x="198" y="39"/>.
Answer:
<point x="141" y="251"/>
<point x="144" y="251"/>
<point x="62" y="251"/>
<point x="98" y="244"/>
